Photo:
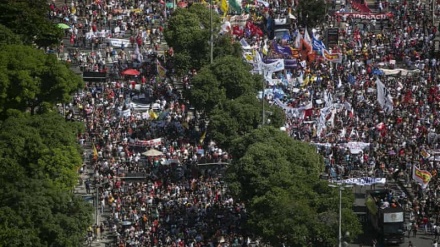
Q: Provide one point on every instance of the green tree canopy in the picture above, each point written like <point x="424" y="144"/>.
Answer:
<point x="29" y="78"/>
<point x="42" y="147"/>
<point x="235" y="118"/>
<point x="39" y="159"/>
<point x="278" y="179"/>
<point x="311" y="13"/>
<point x="189" y="33"/>
<point x="34" y="213"/>
<point x="227" y="78"/>
<point x="29" y="20"/>
<point x="7" y="37"/>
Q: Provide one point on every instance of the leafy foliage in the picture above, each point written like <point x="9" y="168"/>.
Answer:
<point x="28" y="20"/>
<point x="278" y="179"/>
<point x="227" y="78"/>
<point x="238" y="117"/>
<point x="7" y="37"/>
<point x="311" y="13"/>
<point x="189" y="33"/>
<point x="44" y="146"/>
<point x="39" y="163"/>
<point x="34" y="213"/>
<point x="29" y="78"/>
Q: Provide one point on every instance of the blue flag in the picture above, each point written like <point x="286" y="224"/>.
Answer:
<point x="318" y="45"/>
<point x="286" y="36"/>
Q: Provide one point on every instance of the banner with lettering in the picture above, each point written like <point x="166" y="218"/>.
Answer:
<point x="239" y="20"/>
<point x="422" y="177"/>
<point x="364" y="181"/>
<point x="355" y="147"/>
<point x="148" y="143"/>
<point x="384" y="16"/>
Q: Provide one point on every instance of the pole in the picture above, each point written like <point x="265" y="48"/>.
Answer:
<point x="262" y="101"/>
<point x="211" y="42"/>
<point x="97" y="202"/>
<point x="340" y="217"/>
<point x="92" y="39"/>
<point x="341" y="187"/>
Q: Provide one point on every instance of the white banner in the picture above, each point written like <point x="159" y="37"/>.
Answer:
<point x="384" y="97"/>
<point x="149" y="143"/>
<point x="276" y="66"/>
<point x="126" y="113"/>
<point x="239" y="20"/>
<point x="364" y="181"/>
<point x="355" y="147"/>
<point x="118" y="42"/>
<point x="393" y="217"/>
<point x="293" y="113"/>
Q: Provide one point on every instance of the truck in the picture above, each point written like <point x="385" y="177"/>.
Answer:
<point x="385" y="216"/>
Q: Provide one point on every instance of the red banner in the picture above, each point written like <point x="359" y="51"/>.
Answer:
<point x="367" y="16"/>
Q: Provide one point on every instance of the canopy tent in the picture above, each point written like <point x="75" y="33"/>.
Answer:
<point x="152" y="152"/>
<point x="132" y="72"/>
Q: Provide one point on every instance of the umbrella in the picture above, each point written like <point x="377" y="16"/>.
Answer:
<point x="131" y="72"/>
<point x="182" y="4"/>
<point x="152" y="152"/>
<point x="63" y="26"/>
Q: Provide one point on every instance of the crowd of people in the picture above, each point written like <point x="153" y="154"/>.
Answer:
<point x="175" y="195"/>
<point x="166" y="198"/>
<point x="337" y="106"/>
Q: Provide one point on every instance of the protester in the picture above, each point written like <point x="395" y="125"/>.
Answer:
<point x="333" y="104"/>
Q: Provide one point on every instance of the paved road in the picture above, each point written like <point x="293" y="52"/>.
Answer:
<point x="422" y="240"/>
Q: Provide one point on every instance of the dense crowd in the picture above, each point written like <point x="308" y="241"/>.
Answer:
<point x="358" y="136"/>
<point x="178" y="203"/>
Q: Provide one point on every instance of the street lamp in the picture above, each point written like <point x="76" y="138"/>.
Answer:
<point x="341" y="187"/>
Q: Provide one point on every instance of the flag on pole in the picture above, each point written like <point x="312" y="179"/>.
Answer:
<point x="318" y="45"/>
<point x="224" y="7"/>
<point x="202" y="138"/>
<point x="95" y="152"/>
<point x="422" y="177"/>
<point x="235" y="5"/>
<point x="384" y="97"/>
<point x="307" y="37"/>
<point x="161" y="70"/>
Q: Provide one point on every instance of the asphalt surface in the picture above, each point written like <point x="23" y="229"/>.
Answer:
<point x="366" y="239"/>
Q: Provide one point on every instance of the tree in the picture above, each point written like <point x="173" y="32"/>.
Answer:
<point x="238" y="117"/>
<point x="29" y="20"/>
<point x="29" y="78"/>
<point x="227" y="78"/>
<point x="189" y="33"/>
<point x="39" y="159"/>
<point x="35" y="213"/>
<point x="41" y="147"/>
<point x="311" y="13"/>
<point x="7" y="37"/>
<point x="278" y="179"/>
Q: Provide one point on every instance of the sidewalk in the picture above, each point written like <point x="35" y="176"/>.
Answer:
<point x="92" y="199"/>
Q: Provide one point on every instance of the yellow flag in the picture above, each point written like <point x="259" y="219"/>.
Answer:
<point x="153" y="115"/>
<point x="95" y="152"/>
<point x="202" y="138"/>
<point x="224" y="6"/>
